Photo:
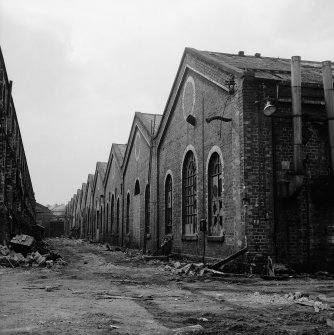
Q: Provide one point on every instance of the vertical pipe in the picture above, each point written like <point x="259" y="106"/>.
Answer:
<point x="203" y="185"/>
<point x="329" y="102"/>
<point x="296" y="114"/>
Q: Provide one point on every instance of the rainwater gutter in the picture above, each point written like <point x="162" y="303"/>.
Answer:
<point x="295" y="182"/>
<point x="329" y="103"/>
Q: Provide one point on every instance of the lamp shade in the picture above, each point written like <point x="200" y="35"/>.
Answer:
<point x="269" y="109"/>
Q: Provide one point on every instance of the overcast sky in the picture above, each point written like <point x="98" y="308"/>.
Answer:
<point x="80" y="69"/>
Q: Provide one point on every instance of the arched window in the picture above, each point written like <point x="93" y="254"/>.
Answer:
<point x="189" y="192"/>
<point x="137" y="187"/>
<point x="147" y="209"/>
<point x="127" y="227"/>
<point x="107" y="218"/>
<point x="112" y="213"/>
<point x="215" y="194"/>
<point x="101" y="218"/>
<point x="117" y="216"/>
<point x="168" y="204"/>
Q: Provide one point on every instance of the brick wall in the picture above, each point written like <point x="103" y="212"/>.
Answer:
<point x="136" y="169"/>
<point x="224" y="138"/>
<point x="113" y="189"/>
<point x="298" y="229"/>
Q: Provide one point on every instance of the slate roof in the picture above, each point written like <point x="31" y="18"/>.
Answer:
<point x="263" y="67"/>
<point x="90" y="178"/>
<point x="149" y="119"/>
<point x="101" y="167"/>
<point x="58" y="210"/>
<point x="120" y="151"/>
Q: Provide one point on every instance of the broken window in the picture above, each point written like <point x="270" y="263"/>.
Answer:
<point x="215" y="179"/>
<point x="168" y="205"/>
<point x="189" y="191"/>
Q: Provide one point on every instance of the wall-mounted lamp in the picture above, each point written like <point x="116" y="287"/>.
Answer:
<point x="230" y="84"/>
<point x="191" y="119"/>
<point x="269" y="108"/>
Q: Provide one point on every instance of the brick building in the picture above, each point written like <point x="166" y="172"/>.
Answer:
<point x="244" y="148"/>
<point x="137" y="166"/>
<point x="113" y="186"/>
<point x="17" y="199"/>
<point x="97" y="202"/>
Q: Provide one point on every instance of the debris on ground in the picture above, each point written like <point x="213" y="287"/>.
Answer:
<point x="23" y="244"/>
<point x="159" y="258"/>
<point x="219" y="264"/>
<point x="330" y="323"/>
<point x="4" y="251"/>
<point x="43" y="257"/>
<point x="191" y="269"/>
<point x="113" y="248"/>
<point x="189" y="330"/>
<point x="305" y="299"/>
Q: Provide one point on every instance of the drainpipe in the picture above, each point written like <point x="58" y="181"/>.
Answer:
<point x="329" y="102"/>
<point x="296" y="181"/>
<point x="296" y="114"/>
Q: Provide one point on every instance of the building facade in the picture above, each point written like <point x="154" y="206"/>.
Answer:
<point x="17" y="199"/>
<point x="240" y="162"/>
<point x="113" y="185"/>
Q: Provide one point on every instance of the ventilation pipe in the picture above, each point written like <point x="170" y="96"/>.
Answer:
<point x="296" y="114"/>
<point x="329" y="102"/>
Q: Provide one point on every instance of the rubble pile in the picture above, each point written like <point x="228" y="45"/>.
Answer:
<point x="320" y="302"/>
<point x="188" y="269"/>
<point x="31" y="254"/>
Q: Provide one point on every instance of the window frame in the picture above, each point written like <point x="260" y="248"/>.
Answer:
<point x="189" y="195"/>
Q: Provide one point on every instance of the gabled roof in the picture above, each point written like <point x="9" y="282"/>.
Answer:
<point x="238" y="65"/>
<point x="147" y="124"/>
<point x="150" y="121"/>
<point x="263" y="67"/>
<point x="90" y="179"/>
<point x="40" y="207"/>
<point x="99" y="171"/>
<point x="101" y="167"/>
<point x="58" y="209"/>
<point x="120" y="151"/>
<point x="117" y="151"/>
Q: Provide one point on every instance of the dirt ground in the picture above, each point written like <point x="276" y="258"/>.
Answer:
<point x="104" y="292"/>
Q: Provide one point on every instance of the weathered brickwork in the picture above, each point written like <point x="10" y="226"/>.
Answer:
<point x="113" y="195"/>
<point x="215" y="156"/>
<point x="298" y="229"/>
<point x="17" y="200"/>
<point x="136" y="179"/>
<point x="179" y="137"/>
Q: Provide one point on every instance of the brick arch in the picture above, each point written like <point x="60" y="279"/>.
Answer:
<point x="215" y="149"/>
<point x="169" y="173"/>
<point x="189" y="148"/>
<point x="127" y="212"/>
<point x="137" y="190"/>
